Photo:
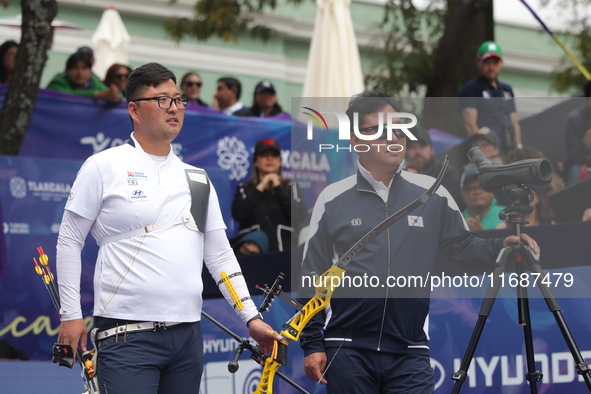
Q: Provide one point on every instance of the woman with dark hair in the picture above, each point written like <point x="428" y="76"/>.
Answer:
<point x="117" y="75"/>
<point x="542" y="212"/>
<point x="191" y="88"/>
<point x="267" y="201"/>
<point x="7" y="60"/>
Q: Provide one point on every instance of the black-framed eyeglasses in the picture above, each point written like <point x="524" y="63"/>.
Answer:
<point x="397" y="132"/>
<point x="191" y="83"/>
<point x="165" y="102"/>
<point x="120" y="76"/>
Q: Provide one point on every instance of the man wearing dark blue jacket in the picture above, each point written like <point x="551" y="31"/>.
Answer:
<point x="381" y="332"/>
<point x="487" y="102"/>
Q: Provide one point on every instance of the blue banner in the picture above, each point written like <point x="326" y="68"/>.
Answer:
<point x="208" y="140"/>
<point x="3" y="253"/>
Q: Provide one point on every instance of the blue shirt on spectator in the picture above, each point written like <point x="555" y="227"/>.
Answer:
<point x="493" y="112"/>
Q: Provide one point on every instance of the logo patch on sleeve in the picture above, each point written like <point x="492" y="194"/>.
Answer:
<point x="415" y="221"/>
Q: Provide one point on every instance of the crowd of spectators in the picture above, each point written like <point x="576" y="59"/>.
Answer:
<point x="262" y="204"/>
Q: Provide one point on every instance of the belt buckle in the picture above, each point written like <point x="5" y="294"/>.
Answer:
<point x="159" y="324"/>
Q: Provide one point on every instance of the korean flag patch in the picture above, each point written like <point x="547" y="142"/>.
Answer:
<point x="415" y="221"/>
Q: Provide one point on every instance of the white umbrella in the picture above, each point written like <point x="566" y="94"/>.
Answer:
<point x="334" y="68"/>
<point x="110" y="41"/>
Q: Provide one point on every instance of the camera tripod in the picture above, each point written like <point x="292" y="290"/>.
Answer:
<point x="524" y="259"/>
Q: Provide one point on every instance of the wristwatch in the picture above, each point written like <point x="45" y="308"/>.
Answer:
<point x="520" y="146"/>
<point x="257" y="316"/>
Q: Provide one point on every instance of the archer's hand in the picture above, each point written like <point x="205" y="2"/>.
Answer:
<point x="314" y="365"/>
<point x="263" y="334"/>
<point x="529" y="241"/>
<point x="73" y="332"/>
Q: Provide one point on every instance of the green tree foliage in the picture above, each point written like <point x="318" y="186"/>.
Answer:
<point x="226" y="19"/>
<point x="405" y="63"/>
<point x="568" y="77"/>
<point x="428" y="52"/>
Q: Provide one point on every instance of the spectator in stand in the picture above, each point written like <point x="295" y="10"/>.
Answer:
<point x="7" y="60"/>
<point x="78" y="80"/>
<point x="264" y="103"/>
<point x="577" y="135"/>
<point x="486" y="101"/>
<point x="255" y="242"/>
<point x="191" y="88"/>
<point x="421" y="155"/>
<point x="542" y="212"/>
<point x="227" y="95"/>
<point x="482" y="211"/>
<point x="87" y="51"/>
<point x="488" y="142"/>
<point x="117" y="75"/>
<point x="267" y="201"/>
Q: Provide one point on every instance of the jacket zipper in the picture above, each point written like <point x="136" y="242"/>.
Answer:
<point x="387" y="288"/>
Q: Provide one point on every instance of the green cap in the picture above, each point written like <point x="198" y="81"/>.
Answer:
<point x="489" y="49"/>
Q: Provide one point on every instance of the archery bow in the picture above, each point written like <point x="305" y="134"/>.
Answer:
<point x="295" y="325"/>
<point x="63" y="354"/>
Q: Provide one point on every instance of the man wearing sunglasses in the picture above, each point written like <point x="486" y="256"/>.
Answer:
<point x="376" y="336"/>
<point x="138" y="200"/>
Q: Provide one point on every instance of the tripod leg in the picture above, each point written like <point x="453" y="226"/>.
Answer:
<point x="485" y="309"/>
<point x="553" y="305"/>
<point x="533" y="376"/>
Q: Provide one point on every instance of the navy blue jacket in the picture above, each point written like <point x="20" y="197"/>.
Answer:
<point x="494" y="105"/>
<point x="390" y="319"/>
<point x="577" y="124"/>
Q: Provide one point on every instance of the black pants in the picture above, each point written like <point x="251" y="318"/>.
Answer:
<point x="371" y="372"/>
<point x="164" y="361"/>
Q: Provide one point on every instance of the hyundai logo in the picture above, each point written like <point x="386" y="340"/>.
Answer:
<point x="138" y="192"/>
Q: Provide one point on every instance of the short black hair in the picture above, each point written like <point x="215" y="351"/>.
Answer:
<point x="76" y="58"/>
<point x="368" y="102"/>
<point x="150" y="74"/>
<point x="232" y="83"/>
<point x="86" y="50"/>
<point x="587" y="89"/>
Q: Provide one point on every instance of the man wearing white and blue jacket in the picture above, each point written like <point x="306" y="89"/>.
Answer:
<point x="381" y="331"/>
